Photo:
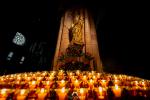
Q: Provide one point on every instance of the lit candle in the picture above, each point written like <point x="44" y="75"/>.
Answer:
<point x="76" y="83"/>
<point x="91" y="83"/>
<point x="48" y="84"/>
<point x="116" y="81"/>
<point x="72" y="79"/>
<point x="100" y="89"/>
<point x="28" y="78"/>
<point x="78" y="72"/>
<point x="32" y="85"/>
<point x="103" y="82"/>
<point x="42" y="94"/>
<point x="84" y="78"/>
<point x="18" y="78"/>
<point x="22" y="95"/>
<point x="82" y="94"/>
<point x="95" y="78"/>
<point x="61" y="93"/>
<point x="3" y="94"/>
<point x="98" y="75"/>
<point x="39" y="79"/>
<point x="117" y="91"/>
<point x="62" y="83"/>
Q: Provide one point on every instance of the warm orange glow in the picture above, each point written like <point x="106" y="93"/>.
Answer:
<point x="81" y="90"/>
<point x="63" y="90"/>
<point x="3" y="91"/>
<point x="33" y="82"/>
<point x="22" y="91"/>
<point x="42" y="90"/>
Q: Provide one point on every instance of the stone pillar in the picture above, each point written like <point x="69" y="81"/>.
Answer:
<point x="89" y="38"/>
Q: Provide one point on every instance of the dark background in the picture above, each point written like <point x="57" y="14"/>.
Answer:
<point x="121" y="31"/>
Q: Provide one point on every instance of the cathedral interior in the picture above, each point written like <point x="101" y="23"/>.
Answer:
<point x="121" y="38"/>
<point x="74" y="50"/>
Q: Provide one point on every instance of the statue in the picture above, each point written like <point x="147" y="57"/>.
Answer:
<point x="75" y="32"/>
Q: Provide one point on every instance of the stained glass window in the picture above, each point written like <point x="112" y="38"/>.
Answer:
<point x="22" y="60"/>
<point x="19" y="39"/>
<point x="10" y="54"/>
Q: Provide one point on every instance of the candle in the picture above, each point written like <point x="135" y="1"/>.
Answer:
<point x="61" y="93"/>
<point x="42" y="94"/>
<point x="39" y="79"/>
<point x="91" y="83"/>
<point x="22" y="95"/>
<point x="116" y="81"/>
<point x="117" y="91"/>
<point x="70" y="74"/>
<point x="84" y="78"/>
<point x="32" y="85"/>
<point x="76" y="83"/>
<point x="95" y="78"/>
<point x="100" y="93"/>
<point x="28" y="78"/>
<point x="98" y="75"/>
<point x="82" y="94"/>
<point x="3" y="94"/>
<point x="78" y="72"/>
<point x="103" y="82"/>
<point x="62" y="83"/>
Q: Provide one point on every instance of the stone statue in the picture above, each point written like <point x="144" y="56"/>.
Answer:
<point x="75" y="32"/>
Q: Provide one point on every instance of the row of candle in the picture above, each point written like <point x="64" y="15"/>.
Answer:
<point x="63" y="93"/>
<point x="62" y="82"/>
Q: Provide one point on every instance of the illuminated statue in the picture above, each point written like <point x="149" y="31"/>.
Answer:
<point x="77" y="46"/>
<point x="75" y="32"/>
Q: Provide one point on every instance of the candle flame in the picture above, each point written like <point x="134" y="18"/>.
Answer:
<point x="78" y="72"/>
<point x="143" y="83"/>
<point x="62" y="81"/>
<point x="63" y="90"/>
<point x="3" y="91"/>
<point x="103" y="81"/>
<point x="91" y="81"/>
<point x="81" y="90"/>
<point x="18" y="78"/>
<point x="136" y="83"/>
<point x="39" y="78"/>
<point x="84" y="77"/>
<point x="48" y="82"/>
<point x="100" y="89"/>
<point x="42" y="90"/>
<point x="116" y="87"/>
<point x="94" y="77"/>
<point x="33" y="82"/>
<point x="22" y="91"/>
<point x="76" y="81"/>
<point x="70" y="74"/>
